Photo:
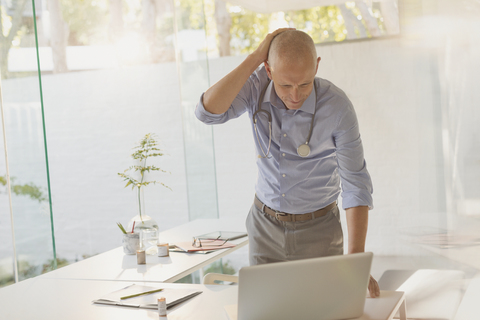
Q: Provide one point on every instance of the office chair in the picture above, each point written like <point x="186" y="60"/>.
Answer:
<point x="429" y="293"/>
<point x="210" y="278"/>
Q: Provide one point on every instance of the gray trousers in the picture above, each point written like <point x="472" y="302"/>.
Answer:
<point x="271" y="240"/>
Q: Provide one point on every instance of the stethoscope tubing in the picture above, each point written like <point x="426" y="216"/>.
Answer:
<point x="303" y="150"/>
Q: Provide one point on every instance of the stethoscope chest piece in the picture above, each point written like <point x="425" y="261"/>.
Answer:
<point x="303" y="150"/>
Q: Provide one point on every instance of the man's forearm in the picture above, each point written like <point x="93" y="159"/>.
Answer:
<point x="218" y="98"/>
<point x="357" y="224"/>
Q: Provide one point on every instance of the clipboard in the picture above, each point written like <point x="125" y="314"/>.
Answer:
<point x="148" y="301"/>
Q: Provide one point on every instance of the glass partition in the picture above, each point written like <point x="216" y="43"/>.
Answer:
<point x="106" y="84"/>
<point x="8" y="262"/>
<point x="193" y="45"/>
<point x="27" y="150"/>
<point x="113" y="80"/>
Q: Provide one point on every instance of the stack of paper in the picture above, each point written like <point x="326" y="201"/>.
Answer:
<point x="173" y="297"/>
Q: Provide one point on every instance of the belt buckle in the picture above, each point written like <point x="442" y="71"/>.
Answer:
<point x="280" y="214"/>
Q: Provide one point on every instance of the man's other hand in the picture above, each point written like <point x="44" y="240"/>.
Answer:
<point x="373" y="288"/>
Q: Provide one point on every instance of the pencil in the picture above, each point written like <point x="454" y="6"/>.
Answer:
<point x="140" y="294"/>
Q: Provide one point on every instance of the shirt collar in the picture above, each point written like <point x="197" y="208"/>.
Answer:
<point x="271" y="96"/>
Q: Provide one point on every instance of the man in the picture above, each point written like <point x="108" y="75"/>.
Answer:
<point x="307" y="137"/>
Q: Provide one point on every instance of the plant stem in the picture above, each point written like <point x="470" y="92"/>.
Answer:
<point x="139" y="203"/>
<point x="139" y="193"/>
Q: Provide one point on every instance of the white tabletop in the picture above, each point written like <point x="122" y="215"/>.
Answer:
<point x="115" y="265"/>
<point x="67" y="293"/>
<point x="42" y="298"/>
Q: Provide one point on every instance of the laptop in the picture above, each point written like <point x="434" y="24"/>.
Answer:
<point x="328" y="288"/>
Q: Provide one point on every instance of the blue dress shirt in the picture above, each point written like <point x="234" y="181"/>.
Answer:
<point x="287" y="182"/>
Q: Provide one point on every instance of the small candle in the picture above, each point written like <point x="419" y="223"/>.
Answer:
<point x="162" y="307"/>
<point x="141" y="258"/>
<point x="163" y="249"/>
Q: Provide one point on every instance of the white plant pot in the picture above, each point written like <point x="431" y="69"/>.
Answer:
<point x="131" y="242"/>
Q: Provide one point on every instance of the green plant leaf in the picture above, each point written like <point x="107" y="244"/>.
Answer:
<point x="146" y="148"/>
<point x="121" y="227"/>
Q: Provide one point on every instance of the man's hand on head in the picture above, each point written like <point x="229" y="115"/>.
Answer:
<point x="261" y="53"/>
<point x="219" y="97"/>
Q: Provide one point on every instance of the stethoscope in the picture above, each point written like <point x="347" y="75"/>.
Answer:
<point x="303" y="150"/>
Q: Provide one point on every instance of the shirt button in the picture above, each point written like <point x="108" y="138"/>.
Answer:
<point x="284" y="134"/>
<point x="283" y="195"/>
<point x="283" y="154"/>
<point x="283" y="175"/>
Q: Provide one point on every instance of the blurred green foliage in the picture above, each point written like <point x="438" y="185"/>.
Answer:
<point x="27" y="270"/>
<point x="49" y="265"/>
<point x="28" y="189"/>
<point x="215" y="267"/>
<point x="323" y="24"/>
<point x="190" y="14"/>
<point x="248" y="30"/>
<point x="87" y="21"/>
<point x="219" y="267"/>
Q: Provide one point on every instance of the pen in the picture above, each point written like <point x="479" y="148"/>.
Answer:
<point x="140" y="294"/>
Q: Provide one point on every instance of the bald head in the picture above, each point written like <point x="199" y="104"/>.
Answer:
<point x="292" y="46"/>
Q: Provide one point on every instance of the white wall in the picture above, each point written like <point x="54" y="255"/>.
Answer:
<point x="391" y="88"/>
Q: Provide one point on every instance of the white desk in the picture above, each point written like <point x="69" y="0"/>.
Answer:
<point x="115" y="265"/>
<point x="67" y="293"/>
<point x="55" y="299"/>
<point x="41" y="298"/>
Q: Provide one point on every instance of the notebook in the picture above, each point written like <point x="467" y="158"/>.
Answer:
<point x="328" y="288"/>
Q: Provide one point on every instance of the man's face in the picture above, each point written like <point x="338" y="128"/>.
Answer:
<point x="293" y="81"/>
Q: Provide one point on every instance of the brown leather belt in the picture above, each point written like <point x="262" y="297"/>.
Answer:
<point x="282" y="216"/>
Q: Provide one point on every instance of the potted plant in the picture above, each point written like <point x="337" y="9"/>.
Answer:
<point x="130" y="240"/>
<point x="136" y="177"/>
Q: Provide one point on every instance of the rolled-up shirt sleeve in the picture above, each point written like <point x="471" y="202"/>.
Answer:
<point x="356" y="183"/>
<point x="245" y="100"/>
<point x="211" y="118"/>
